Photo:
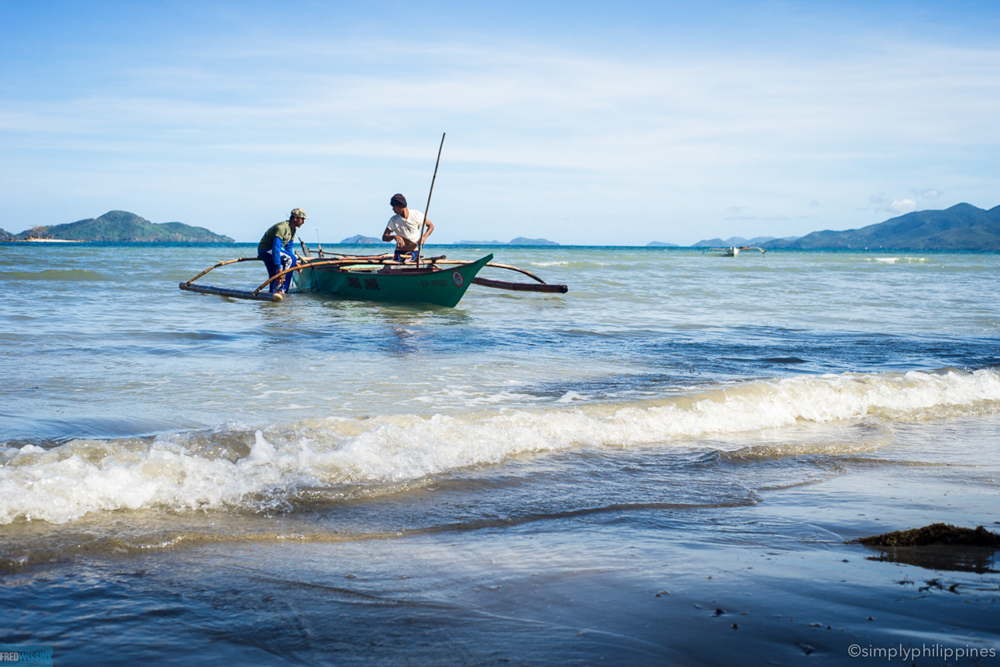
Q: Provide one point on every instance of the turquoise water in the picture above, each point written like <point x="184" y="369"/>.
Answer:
<point x="666" y="388"/>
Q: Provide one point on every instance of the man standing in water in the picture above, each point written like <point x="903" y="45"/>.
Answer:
<point x="404" y="229"/>
<point x="275" y="248"/>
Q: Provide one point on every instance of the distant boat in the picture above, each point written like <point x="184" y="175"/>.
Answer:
<point x="733" y="251"/>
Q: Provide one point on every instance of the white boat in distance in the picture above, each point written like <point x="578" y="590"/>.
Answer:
<point x="733" y="251"/>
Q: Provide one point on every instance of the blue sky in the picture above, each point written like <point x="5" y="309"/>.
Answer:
<point x="583" y="122"/>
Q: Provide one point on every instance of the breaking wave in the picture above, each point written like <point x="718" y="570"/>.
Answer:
<point x="237" y="468"/>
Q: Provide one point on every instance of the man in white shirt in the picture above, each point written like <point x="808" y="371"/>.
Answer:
<point x="404" y="229"/>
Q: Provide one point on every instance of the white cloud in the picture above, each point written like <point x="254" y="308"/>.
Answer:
<point x="902" y="206"/>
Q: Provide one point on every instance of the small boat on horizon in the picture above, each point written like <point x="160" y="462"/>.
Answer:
<point x="733" y="251"/>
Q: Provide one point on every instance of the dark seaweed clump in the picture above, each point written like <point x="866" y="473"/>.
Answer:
<point x="936" y="533"/>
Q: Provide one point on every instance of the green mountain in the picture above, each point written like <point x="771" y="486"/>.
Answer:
<point x="122" y="226"/>
<point x="5" y="235"/>
<point x="961" y="227"/>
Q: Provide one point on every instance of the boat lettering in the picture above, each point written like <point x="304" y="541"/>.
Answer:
<point x="371" y="283"/>
<point x="433" y="283"/>
<point x="352" y="281"/>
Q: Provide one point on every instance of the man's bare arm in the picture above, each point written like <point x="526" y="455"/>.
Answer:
<point x="430" y="228"/>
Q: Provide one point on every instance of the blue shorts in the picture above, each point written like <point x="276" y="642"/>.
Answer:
<point x="400" y="256"/>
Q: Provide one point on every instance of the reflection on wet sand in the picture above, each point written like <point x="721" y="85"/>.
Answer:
<point x="980" y="560"/>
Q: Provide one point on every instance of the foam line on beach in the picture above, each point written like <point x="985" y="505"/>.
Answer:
<point x="249" y="470"/>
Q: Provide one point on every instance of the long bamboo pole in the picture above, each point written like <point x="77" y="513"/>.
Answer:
<point x="218" y="264"/>
<point x="427" y="209"/>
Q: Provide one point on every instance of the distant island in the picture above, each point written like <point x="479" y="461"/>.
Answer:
<point x="359" y="239"/>
<point x="661" y="244"/>
<point x="520" y="240"/>
<point x="961" y="227"/>
<point x="120" y="227"/>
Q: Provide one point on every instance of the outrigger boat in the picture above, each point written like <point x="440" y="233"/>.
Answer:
<point x="434" y="280"/>
<point x="430" y="280"/>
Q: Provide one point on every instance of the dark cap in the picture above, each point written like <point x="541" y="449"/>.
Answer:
<point x="398" y="200"/>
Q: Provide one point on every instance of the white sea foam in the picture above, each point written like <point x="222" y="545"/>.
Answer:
<point x="67" y="482"/>
<point x="571" y="396"/>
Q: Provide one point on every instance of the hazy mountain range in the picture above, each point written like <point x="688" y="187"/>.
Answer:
<point x="961" y="227"/>
<point x="520" y="240"/>
<point x="737" y="241"/>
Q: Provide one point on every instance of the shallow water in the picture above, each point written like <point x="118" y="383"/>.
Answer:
<point x="669" y="390"/>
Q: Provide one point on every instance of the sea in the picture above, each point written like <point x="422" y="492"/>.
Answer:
<point x="594" y="477"/>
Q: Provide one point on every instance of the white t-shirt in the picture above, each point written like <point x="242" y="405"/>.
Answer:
<point x="409" y="227"/>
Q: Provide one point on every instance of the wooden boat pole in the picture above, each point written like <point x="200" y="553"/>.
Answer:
<point x="228" y="261"/>
<point x="427" y="209"/>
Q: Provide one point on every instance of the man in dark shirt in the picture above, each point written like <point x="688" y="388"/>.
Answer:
<point x="275" y="248"/>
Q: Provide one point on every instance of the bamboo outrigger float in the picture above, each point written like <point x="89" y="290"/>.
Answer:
<point x="436" y="280"/>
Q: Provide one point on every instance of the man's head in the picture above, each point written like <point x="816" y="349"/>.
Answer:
<point x="297" y="217"/>
<point x="398" y="203"/>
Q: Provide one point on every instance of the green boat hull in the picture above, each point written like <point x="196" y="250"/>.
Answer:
<point x="440" y="287"/>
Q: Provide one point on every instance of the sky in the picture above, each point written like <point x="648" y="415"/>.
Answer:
<point x="592" y="123"/>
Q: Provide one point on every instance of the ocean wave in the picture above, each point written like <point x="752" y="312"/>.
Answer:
<point x="241" y="469"/>
<point x="895" y="260"/>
